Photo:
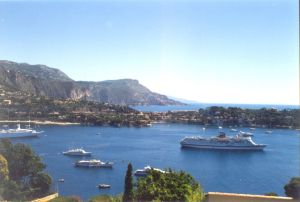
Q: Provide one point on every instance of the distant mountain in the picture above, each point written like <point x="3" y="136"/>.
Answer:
<point x="45" y="81"/>
<point x="184" y="100"/>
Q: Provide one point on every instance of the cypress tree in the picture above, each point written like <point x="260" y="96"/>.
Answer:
<point x="128" y="186"/>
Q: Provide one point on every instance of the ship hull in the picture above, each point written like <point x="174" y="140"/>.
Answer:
<point x="17" y="135"/>
<point x="215" y="147"/>
<point x="73" y="154"/>
<point x="86" y="165"/>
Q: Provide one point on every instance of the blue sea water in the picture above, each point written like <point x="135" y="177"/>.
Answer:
<point x="224" y="171"/>
<point x="193" y="107"/>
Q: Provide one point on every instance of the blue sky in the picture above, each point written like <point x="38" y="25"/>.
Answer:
<point x="209" y="51"/>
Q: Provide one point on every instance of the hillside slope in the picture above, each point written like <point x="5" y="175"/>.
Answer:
<point x="50" y="82"/>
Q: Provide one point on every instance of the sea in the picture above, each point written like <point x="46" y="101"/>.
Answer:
<point x="252" y="172"/>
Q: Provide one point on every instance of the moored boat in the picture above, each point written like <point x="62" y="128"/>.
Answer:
<point x="221" y="142"/>
<point x="93" y="163"/>
<point x="145" y="171"/>
<point x="19" y="132"/>
<point x="77" y="152"/>
<point x="104" y="186"/>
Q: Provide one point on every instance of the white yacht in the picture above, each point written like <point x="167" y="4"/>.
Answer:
<point x="19" y="132"/>
<point x="145" y="171"/>
<point x="93" y="163"/>
<point x="222" y="142"/>
<point x="77" y="152"/>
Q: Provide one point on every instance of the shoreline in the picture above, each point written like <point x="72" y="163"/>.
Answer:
<point x="41" y="122"/>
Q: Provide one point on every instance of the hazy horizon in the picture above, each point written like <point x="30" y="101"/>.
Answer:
<point x="205" y="51"/>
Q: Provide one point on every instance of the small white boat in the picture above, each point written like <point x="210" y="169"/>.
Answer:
<point x="77" y="152"/>
<point x="61" y="180"/>
<point x="103" y="186"/>
<point x="145" y="171"/>
<point x="233" y="130"/>
<point x="268" y="132"/>
<point x="93" y="163"/>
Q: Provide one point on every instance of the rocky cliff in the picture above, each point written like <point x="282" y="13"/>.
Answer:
<point x="45" y="81"/>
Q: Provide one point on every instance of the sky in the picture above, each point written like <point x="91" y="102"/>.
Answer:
<point x="219" y="51"/>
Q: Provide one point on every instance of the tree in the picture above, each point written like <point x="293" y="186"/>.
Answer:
<point x="3" y="169"/>
<point x="168" y="186"/>
<point x="128" y="192"/>
<point x="40" y="182"/>
<point x="10" y="190"/>
<point x="24" y="163"/>
<point x="292" y="188"/>
<point x="26" y="177"/>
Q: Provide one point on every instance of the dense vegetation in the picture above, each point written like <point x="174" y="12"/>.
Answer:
<point x="21" y="172"/>
<point x="157" y="186"/>
<point x="24" y="105"/>
<point x="292" y="188"/>
<point x="61" y="110"/>
<point x="66" y="199"/>
<point x="234" y="117"/>
<point x="106" y="198"/>
<point x="169" y="186"/>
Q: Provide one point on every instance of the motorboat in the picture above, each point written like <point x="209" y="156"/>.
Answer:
<point x="104" y="186"/>
<point x="145" y="171"/>
<point x="61" y="180"/>
<point x="93" y="163"/>
<point x="77" y="152"/>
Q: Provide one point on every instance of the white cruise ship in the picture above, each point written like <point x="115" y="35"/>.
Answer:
<point x="93" y="163"/>
<point x="222" y="142"/>
<point x="18" y="132"/>
<point x="77" y="152"/>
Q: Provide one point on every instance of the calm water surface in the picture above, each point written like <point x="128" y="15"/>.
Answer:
<point x="226" y="171"/>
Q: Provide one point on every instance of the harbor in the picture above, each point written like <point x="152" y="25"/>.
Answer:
<point x="159" y="146"/>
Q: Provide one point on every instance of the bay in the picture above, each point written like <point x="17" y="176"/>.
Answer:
<point x="158" y="146"/>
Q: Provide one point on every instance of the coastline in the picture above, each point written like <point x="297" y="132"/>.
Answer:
<point x="41" y="122"/>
